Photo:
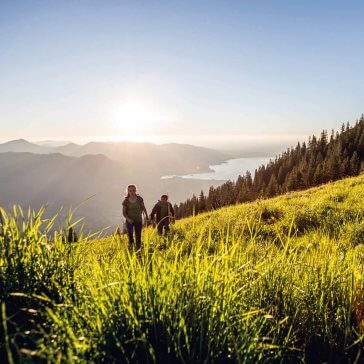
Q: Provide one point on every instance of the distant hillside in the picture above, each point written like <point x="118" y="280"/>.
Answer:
<point x="23" y="146"/>
<point x="68" y="149"/>
<point x="163" y="158"/>
<point x="171" y="158"/>
<point x="57" y="180"/>
<point x="323" y="159"/>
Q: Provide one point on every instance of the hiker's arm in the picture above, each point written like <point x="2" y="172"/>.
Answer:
<point x="144" y="210"/>
<point x="153" y="214"/>
<point x="154" y="211"/>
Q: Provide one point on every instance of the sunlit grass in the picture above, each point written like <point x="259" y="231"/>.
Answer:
<point x="277" y="280"/>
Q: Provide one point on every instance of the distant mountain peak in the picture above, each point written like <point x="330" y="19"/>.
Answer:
<point x="20" y="145"/>
<point x="19" y="141"/>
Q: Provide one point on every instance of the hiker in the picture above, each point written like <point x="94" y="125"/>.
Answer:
<point x="133" y="207"/>
<point x="164" y="213"/>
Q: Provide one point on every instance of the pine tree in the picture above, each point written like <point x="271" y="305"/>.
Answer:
<point x="332" y="168"/>
<point x="345" y="167"/>
<point x="281" y="176"/>
<point x="317" y="176"/>
<point x="291" y="181"/>
<point x="323" y="142"/>
<point x="272" y="188"/>
<point x="355" y="164"/>
<point x="249" y="180"/>
<point x="202" y="202"/>
<point x="361" y="146"/>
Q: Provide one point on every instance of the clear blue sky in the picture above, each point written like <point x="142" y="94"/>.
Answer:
<point x="70" y="69"/>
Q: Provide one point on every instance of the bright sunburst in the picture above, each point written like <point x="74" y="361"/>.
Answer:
<point x="134" y="116"/>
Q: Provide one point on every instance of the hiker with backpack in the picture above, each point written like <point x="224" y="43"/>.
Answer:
<point x="133" y="207"/>
<point x="162" y="215"/>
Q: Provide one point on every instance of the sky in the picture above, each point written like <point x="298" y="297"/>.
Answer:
<point x="186" y="71"/>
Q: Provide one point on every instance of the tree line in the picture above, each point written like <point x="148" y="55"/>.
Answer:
<point x="323" y="159"/>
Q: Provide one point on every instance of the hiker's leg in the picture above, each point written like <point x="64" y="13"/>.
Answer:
<point x="138" y="234"/>
<point x="166" y="226"/>
<point x="130" y="228"/>
<point x="160" y="227"/>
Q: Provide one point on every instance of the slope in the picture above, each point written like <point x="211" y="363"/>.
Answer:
<point x="277" y="280"/>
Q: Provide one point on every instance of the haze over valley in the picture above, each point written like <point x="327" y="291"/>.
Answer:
<point x="64" y="176"/>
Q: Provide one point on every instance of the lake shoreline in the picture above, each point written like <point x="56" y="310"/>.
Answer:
<point x="227" y="170"/>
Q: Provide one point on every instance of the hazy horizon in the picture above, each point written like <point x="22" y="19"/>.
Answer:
<point x="162" y="139"/>
<point x="238" y="145"/>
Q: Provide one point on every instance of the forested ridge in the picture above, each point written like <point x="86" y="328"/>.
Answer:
<point x="323" y="159"/>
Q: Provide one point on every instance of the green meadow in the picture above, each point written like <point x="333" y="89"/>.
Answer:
<point x="273" y="281"/>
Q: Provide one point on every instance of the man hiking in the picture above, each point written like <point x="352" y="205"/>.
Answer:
<point x="162" y="215"/>
<point x="133" y="207"/>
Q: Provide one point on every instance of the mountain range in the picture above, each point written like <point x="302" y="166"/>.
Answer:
<point x="169" y="158"/>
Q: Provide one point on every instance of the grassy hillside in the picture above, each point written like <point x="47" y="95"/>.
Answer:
<point x="278" y="280"/>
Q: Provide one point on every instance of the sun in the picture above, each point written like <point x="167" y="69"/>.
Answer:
<point x="134" y="116"/>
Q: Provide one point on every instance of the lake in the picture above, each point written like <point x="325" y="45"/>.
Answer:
<point x="228" y="170"/>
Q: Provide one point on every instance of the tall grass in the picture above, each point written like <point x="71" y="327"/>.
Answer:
<point x="280" y="280"/>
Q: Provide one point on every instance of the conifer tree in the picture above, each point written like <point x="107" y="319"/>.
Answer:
<point x="272" y="188"/>
<point x="355" y="164"/>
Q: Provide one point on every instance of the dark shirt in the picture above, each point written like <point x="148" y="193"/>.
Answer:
<point x="158" y="211"/>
